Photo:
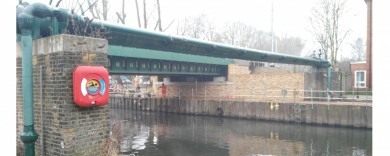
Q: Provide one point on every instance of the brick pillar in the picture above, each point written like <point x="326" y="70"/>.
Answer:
<point x="369" y="43"/>
<point x="67" y="128"/>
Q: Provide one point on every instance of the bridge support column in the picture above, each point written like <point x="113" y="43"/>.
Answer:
<point x="68" y="129"/>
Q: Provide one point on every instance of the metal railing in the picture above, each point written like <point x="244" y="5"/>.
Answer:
<point x="268" y="95"/>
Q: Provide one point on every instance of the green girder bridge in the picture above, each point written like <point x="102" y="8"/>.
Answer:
<point x="129" y="60"/>
<point x="140" y="51"/>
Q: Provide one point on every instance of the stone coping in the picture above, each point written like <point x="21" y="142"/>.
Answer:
<point x="65" y="43"/>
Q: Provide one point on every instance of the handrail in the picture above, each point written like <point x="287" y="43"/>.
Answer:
<point x="267" y="95"/>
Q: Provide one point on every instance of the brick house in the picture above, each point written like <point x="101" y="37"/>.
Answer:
<point x="360" y="71"/>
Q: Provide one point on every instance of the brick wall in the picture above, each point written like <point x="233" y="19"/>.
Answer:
<point x="265" y="84"/>
<point x="19" y="106"/>
<point x="199" y="90"/>
<point x="234" y="69"/>
<point x="268" y="86"/>
<point x="81" y="131"/>
<point x="241" y="85"/>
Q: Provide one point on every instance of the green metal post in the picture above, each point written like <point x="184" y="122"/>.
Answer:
<point x="54" y="25"/>
<point x="36" y="31"/>
<point x="28" y="136"/>
<point x="29" y="21"/>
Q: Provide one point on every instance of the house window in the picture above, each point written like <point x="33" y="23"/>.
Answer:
<point x="360" y="79"/>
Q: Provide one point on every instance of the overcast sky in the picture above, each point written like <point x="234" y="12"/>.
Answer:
<point x="289" y="17"/>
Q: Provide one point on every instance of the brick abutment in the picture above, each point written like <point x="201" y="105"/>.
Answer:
<point x="67" y="128"/>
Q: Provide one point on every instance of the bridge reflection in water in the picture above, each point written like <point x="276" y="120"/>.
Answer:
<point x="152" y="134"/>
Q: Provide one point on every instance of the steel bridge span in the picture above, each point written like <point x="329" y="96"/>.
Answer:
<point x="140" y="51"/>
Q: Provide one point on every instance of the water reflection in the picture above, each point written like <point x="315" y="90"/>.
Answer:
<point x="154" y="134"/>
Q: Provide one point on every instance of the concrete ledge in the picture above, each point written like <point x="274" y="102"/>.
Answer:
<point x="65" y="42"/>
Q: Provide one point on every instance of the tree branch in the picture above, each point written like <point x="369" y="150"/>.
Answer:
<point x="168" y="25"/>
<point x="139" y="21"/>
<point x="145" y="20"/>
<point x="159" y="15"/>
<point x="58" y="3"/>
<point x="80" y="7"/>
<point x="90" y="8"/>
<point x="119" y="18"/>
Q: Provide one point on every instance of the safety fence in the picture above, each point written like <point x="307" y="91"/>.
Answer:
<point x="281" y="95"/>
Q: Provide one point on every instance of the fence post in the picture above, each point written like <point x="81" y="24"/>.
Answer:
<point x="311" y="97"/>
<point x="196" y="87"/>
<point x="204" y="92"/>
<point x="366" y="97"/>
<point x="222" y="93"/>
<point x="328" y="93"/>
<point x="353" y="96"/>
<point x="204" y="104"/>
<point x="251" y="93"/>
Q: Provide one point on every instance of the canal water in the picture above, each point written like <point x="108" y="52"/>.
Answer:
<point x="162" y="134"/>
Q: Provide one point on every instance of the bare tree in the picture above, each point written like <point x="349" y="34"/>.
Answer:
<point x="243" y="35"/>
<point x="326" y="27"/>
<point x="139" y="21"/>
<point x="169" y="25"/>
<point x="91" y="8"/>
<point x="80" y="8"/>
<point x="99" y="9"/>
<point x="230" y="34"/>
<point x="200" y="27"/>
<point x="261" y="40"/>
<point x="58" y="3"/>
<point x="237" y="33"/>
<point x="145" y="19"/>
<point x="122" y="17"/>
<point x="182" y="27"/>
<point x="290" y="45"/>
<point x="211" y="32"/>
<point x="193" y="27"/>
<point x="159" y="16"/>
<point x="150" y="17"/>
<point x="105" y="9"/>
<point x="358" y="53"/>
<point x="96" y="11"/>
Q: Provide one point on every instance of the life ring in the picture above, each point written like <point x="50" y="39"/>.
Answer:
<point x="89" y="86"/>
<point x="92" y="85"/>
